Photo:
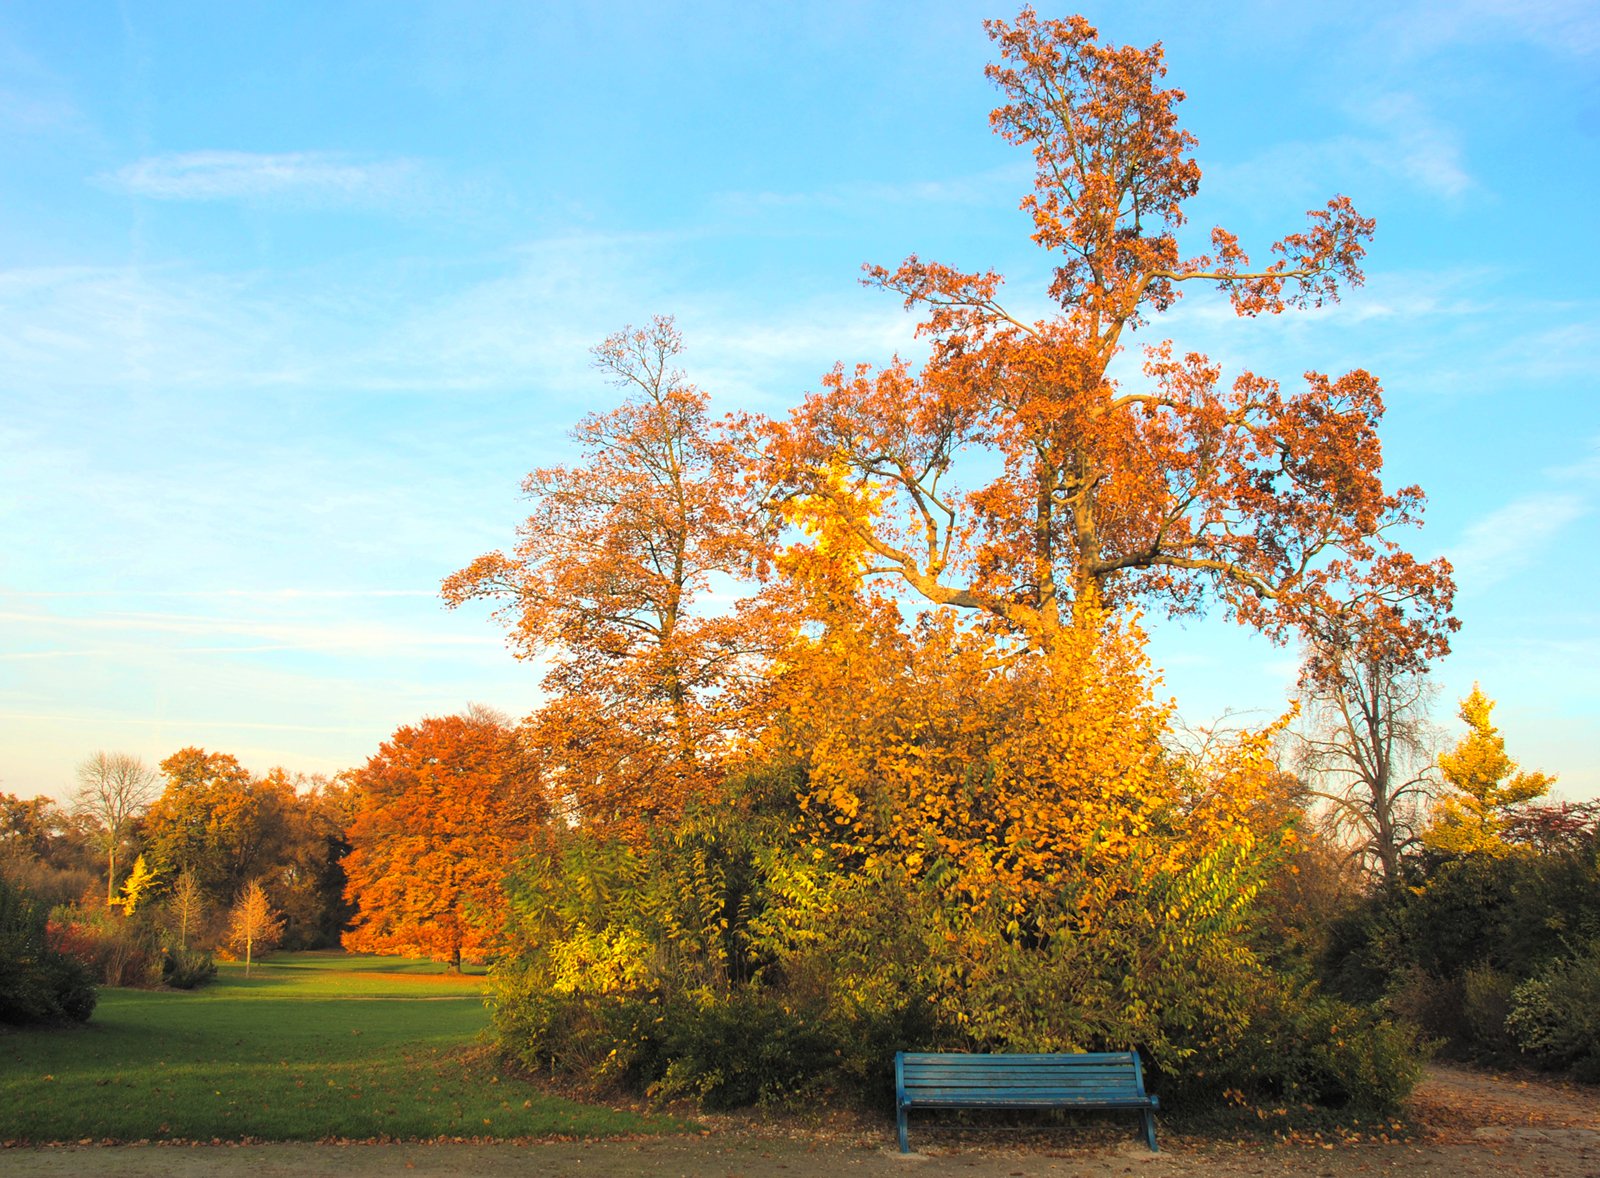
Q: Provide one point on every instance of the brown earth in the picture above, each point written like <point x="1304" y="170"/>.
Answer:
<point x="1473" y="1124"/>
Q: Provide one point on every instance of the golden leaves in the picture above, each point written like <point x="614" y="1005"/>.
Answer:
<point x="1017" y="779"/>
<point x="1483" y="787"/>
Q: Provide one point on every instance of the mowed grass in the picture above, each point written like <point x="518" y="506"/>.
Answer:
<point x="311" y="1046"/>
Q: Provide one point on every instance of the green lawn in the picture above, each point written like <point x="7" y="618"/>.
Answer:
<point x="312" y="1045"/>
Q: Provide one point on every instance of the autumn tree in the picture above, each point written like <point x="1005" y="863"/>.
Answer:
<point x="1483" y="787"/>
<point x="440" y="813"/>
<point x="307" y="879"/>
<point x="137" y="887"/>
<point x="218" y="820"/>
<point x="1182" y="488"/>
<point x="47" y="849"/>
<point x="224" y="826"/>
<point x="113" y="789"/>
<point x="253" y="926"/>
<point x="609" y="576"/>
<point x="29" y="826"/>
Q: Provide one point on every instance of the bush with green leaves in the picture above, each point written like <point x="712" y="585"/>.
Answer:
<point x="118" y="950"/>
<point x="729" y="964"/>
<point x="186" y="969"/>
<point x="1555" y="1016"/>
<point x="1304" y="1047"/>
<point x="38" y="984"/>
<point x="1468" y="953"/>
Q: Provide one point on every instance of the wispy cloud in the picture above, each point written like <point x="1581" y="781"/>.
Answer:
<point x="524" y="319"/>
<point x="339" y="635"/>
<point x="870" y="197"/>
<point x="35" y="113"/>
<point x="1511" y="537"/>
<point x="1398" y="138"/>
<point x="34" y="98"/>
<point x="311" y="177"/>
<point x="1565" y="26"/>
<point x="1412" y="144"/>
<point x="170" y="721"/>
<point x="1505" y="540"/>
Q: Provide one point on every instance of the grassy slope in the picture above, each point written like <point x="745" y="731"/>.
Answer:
<point x="311" y="1046"/>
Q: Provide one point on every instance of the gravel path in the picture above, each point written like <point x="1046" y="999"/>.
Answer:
<point x="1479" y="1125"/>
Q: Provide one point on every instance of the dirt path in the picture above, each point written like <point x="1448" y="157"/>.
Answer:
<point x="1456" y="1102"/>
<point x="1479" y="1125"/>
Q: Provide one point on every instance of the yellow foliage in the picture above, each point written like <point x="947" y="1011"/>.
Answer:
<point x="1483" y="784"/>
<point x="135" y="886"/>
<point x="1024" y="773"/>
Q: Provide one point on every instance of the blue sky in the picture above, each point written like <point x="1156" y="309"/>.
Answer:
<point x="292" y="295"/>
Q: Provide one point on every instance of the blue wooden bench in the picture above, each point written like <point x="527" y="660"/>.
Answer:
<point x="954" y="1080"/>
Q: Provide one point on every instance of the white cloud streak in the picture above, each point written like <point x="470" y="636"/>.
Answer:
<point x="1507" y="539"/>
<point x="304" y="176"/>
<point x="1510" y="538"/>
<point x="250" y="594"/>
<point x="340" y="635"/>
<point x="170" y="721"/>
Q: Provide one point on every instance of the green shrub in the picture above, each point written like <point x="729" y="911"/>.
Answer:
<point x="186" y="969"/>
<point x="1555" y="1016"/>
<point x="602" y="1038"/>
<point x="1304" y="1047"/>
<point x="1434" y="1005"/>
<point x="38" y="984"/>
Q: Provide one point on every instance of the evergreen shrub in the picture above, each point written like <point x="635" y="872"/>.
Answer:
<point x="38" y="984"/>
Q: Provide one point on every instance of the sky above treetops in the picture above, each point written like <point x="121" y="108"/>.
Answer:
<point x="293" y="296"/>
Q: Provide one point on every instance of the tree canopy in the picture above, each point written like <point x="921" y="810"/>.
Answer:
<point x="1269" y="500"/>
<point x="440" y="812"/>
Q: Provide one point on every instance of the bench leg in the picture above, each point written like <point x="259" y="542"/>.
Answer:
<point x="900" y="1116"/>
<point x="1150" y="1131"/>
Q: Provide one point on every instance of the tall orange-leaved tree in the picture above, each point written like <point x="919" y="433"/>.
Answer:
<point x="609" y="576"/>
<point x="441" y="810"/>
<point x="1268" y="499"/>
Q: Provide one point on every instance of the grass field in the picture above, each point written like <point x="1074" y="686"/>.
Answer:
<point x="311" y="1046"/>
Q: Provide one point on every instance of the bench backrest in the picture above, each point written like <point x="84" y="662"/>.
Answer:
<point x="945" y="1075"/>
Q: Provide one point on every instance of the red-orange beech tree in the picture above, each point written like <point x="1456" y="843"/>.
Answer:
<point x="1269" y="500"/>
<point x="442" y="810"/>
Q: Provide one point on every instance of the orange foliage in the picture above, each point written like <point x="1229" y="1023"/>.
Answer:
<point x="1268" y="499"/>
<point x="441" y="812"/>
<point x="606" y="574"/>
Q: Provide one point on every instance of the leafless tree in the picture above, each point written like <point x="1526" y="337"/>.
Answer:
<point x="1365" y="749"/>
<point x="113" y="789"/>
